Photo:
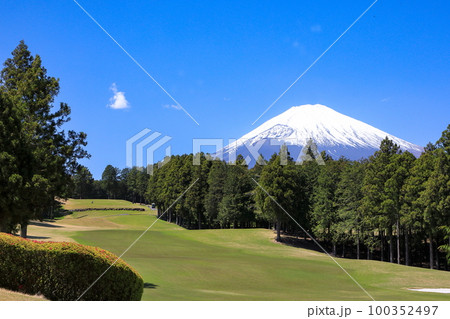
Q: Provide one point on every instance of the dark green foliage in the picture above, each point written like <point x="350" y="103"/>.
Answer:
<point x="110" y="181"/>
<point x="286" y="188"/>
<point x="325" y="217"/>
<point x="37" y="156"/>
<point x="216" y="181"/>
<point x="63" y="271"/>
<point x="446" y="247"/>
<point x="83" y="183"/>
<point x="350" y="224"/>
<point x="236" y="207"/>
<point x="135" y="182"/>
<point x="195" y="198"/>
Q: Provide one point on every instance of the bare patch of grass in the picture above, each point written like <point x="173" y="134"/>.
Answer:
<point x="8" y="295"/>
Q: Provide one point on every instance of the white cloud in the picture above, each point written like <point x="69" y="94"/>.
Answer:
<point x="172" y="106"/>
<point x="118" y="101"/>
<point x="317" y="28"/>
<point x="386" y="99"/>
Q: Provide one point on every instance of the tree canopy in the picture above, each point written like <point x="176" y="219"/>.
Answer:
<point x="37" y="156"/>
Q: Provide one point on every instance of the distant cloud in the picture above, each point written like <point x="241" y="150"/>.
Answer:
<point x="227" y="99"/>
<point x="295" y="44"/>
<point x="317" y="28"/>
<point x="172" y="106"/>
<point x="118" y="101"/>
<point x="385" y="99"/>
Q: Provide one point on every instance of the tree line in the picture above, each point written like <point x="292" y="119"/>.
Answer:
<point x="391" y="207"/>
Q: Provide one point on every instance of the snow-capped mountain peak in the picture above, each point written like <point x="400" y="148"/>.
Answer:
<point x="333" y="132"/>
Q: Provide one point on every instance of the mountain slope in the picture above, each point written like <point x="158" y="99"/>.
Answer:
<point x="333" y="132"/>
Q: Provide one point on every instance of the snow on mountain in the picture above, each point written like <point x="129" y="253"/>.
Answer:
<point x="333" y="132"/>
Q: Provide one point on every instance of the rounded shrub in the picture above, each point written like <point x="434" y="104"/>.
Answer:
<point x="63" y="271"/>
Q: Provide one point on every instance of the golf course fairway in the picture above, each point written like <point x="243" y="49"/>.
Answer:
<point x="232" y="264"/>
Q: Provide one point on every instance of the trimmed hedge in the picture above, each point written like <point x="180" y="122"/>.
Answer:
<point x="63" y="271"/>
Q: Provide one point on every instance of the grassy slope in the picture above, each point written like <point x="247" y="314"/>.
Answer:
<point x="99" y="203"/>
<point x="245" y="264"/>
<point x="7" y="295"/>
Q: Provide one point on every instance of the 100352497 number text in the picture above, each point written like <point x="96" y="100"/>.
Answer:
<point x="402" y="310"/>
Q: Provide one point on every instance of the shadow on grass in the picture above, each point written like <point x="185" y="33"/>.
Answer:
<point x="44" y="224"/>
<point x="149" y="285"/>
<point x="296" y="242"/>
<point x="37" y="237"/>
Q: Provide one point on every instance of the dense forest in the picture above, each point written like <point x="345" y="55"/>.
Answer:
<point x="392" y="206"/>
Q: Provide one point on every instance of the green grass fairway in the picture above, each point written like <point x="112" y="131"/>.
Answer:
<point x="244" y="264"/>
<point x="100" y="203"/>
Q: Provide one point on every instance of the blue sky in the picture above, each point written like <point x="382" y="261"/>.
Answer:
<point x="225" y="62"/>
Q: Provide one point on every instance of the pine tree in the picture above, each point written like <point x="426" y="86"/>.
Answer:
<point x="82" y="181"/>
<point x="236" y="206"/>
<point x="325" y="212"/>
<point x="349" y="196"/>
<point x="110" y="180"/>
<point x="44" y="156"/>
<point x="195" y="198"/>
<point x="282" y="183"/>
<point x="377" y="205"/>
<point x="436" y="194"/>
<point x="394" y="197"/>
<point x="10" y="178"/>
<point x="216" y="180"/>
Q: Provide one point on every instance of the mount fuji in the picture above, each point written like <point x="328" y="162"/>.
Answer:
<point x="335" y="133"/>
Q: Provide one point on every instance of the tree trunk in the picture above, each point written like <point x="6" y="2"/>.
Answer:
<point x="278" y="230"/>
<point x="357" y="246"/>
<point x="23" y="230"/>
<point x="368" y="253"/>
<point x="382" y="245"/>
<point x="199" y="221"/>
<point x="334" y="249"/>
<point x="406" y="248"/>
<point x="398" y="241"/>
<point x="391" y="246"/>
<point x="430" y="239"/>
<point x="343" y="250"/>
<point x="437" y="260"/>
<point x="447" y="261"/>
